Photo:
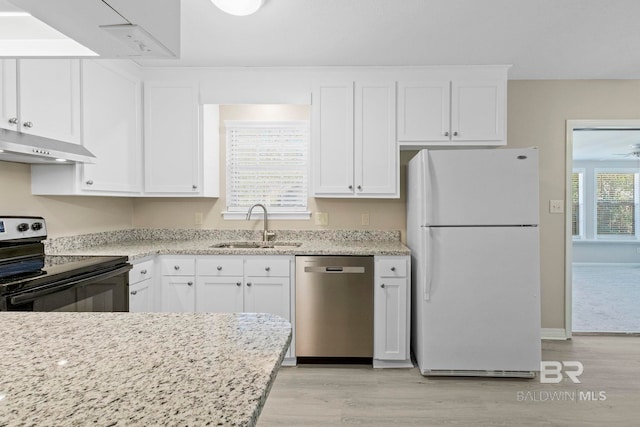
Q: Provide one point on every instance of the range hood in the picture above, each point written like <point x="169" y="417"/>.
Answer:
<point x="24" y="148"/>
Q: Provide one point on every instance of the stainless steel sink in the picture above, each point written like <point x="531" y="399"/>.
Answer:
<point x="257" y="245"/>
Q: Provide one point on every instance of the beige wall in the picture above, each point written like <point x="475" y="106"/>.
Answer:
<point x="538" y="111"/>
<point x="65" y="215"/>
<point x="343" y="213"/>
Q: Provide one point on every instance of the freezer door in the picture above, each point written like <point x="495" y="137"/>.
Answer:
<point x="479" y="187"/>
<point x="481" y="311"/>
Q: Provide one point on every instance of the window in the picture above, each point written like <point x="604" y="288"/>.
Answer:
<point x="267" y="162"/>
<point x="616" y="203"/>
<point x="577" y="204"/>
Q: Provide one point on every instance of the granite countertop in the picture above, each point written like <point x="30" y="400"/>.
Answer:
<point x="171" y="242"/>
<point x="138" y="369"/>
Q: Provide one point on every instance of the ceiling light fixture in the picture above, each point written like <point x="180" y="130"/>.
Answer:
<point x="238" y="7"/>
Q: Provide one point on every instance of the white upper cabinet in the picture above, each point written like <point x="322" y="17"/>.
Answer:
<point x="111" y="130"/>
<point x="8" y="94"/>
<point x="457" y="112"/>
<point x="171" y="138"/>
<point x="478" y="111"/>
<point x="354" y="152"/>
<point x="332" y="139"/>
<point x="423" y="111"/>
<point x="42" y="97"/>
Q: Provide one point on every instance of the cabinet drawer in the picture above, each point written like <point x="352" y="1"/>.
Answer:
<point x="391" y="267"/>
<point x="178" y="267"/>
<point x="220" y="266"/>
<point x="267" y="267"/>
<point x="141" y="271"/>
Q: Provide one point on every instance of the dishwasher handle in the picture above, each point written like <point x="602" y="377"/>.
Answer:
<point x="334" y="269"/>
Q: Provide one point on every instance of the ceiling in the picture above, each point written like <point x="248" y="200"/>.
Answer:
<point x="541" y="39"/>
<point x="607" y="144"/>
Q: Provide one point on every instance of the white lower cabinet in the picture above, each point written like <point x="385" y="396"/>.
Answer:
<point x="228" y="284"/>
<point x="177" y="284"/>
<point x="391" y="312"/>
<point x="141" y="289"/>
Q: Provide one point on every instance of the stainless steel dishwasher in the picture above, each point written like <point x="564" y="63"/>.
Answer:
<point x="334" y="307"/>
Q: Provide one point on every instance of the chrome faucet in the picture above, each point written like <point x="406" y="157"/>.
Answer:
<point x="266" y="234"/>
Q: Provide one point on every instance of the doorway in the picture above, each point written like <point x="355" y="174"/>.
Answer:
<point x="603" y="226"/>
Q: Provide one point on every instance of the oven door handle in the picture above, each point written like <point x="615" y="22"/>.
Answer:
<point x="66" y="284"/>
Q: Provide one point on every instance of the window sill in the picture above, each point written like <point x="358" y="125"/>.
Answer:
<point x="258" y="214"/>
<point x="629" y="241"/>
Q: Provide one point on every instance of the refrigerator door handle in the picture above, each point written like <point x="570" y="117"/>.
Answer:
<point x="429" y="263"/>
<point x="427" y="202"/>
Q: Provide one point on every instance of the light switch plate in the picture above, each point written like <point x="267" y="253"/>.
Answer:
<point x="364" y="219"/>
<point x="556" y="206"/>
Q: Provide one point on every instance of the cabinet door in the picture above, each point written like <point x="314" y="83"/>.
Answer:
<point x="111" y="128"/>
<point x="376" y="152"/>
<point x="49" y="94"/>
<point x="423" y="111"/>
<point x="332" y="139"/>
<point x="178" y="294"/>
<point x="390" y="319"/>
<point x="8" y="94"/>
<point x="219" y="294"/>
<point x="141" y="297"/>
<point x="267" y="295"/>
<point x="171" y="138"/>
<point x="478" y="110"/>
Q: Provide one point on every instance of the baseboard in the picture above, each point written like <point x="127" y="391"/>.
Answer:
<point x="554" y="334"/>
<point x="392" y="363"/>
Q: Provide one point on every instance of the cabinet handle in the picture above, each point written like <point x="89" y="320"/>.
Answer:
<point x="359" y="187"/>
<point x="382" y="286"/>
<point x="13" y="120"/>
<point x="189" y="283"/>
<point x="267" y="268"/>
<point x="393" y="269"/>
<point x="446" y="134"/>
<point x="134" y="292"/>
<point x="195" y="187"/>
<point x="351" y="187"/>
<point x="90" y="182"/>
<point x="248" y="283"/>
<point x="238" y="283"/>
<point x="27" y="124"/>
<point x="219" y="268"/>
<point x="455" y="134"/>
<point x="176" y="267"/>
<point x="143" y="271"/>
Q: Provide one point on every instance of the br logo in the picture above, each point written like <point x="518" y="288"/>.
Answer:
<point x="551" y="372"/>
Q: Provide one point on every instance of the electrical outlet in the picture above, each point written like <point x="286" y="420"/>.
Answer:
<point x="556" y="206"/>
<point x="321" y="218"/>
<point x="198" y="218"/>
<point x="364" y="219"/>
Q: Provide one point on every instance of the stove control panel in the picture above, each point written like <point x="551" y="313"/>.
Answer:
<point x="16" y="228"/>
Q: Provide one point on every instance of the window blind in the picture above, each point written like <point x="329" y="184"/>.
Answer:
<point x="267" y="162"/>
<point x="575" y="203"/>
<point x="616" y="204"/>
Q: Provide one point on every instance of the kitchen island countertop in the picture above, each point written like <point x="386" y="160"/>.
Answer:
<point x="138" y="369"/>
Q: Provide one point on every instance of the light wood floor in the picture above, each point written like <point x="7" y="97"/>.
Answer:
<point x="329" y="396"/>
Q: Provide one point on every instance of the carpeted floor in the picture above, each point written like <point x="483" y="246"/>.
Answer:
<point x="606" y="297"/>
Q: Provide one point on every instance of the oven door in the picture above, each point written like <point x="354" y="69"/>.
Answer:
<point x="98" y="291"/>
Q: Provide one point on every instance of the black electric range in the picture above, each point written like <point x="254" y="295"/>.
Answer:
<point x="33" y="281"/>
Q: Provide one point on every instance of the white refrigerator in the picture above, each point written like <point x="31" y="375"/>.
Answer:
<point x="472" y="227"/>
